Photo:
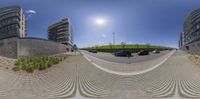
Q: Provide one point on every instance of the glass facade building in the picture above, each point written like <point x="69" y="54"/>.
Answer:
<point x="61" y="32"/>
<point x="181" y="40"/>
<point x="12" y="22"/>
<point x="192" y="27"/>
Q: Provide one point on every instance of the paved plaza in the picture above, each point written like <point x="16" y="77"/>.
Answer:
<point x="77" y="78"/>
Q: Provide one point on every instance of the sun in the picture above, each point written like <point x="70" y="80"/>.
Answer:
<point x="100" y="21"/>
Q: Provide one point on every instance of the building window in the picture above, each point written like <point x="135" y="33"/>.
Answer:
<point x="187" y="48"/>
<point x="198" y="26"/>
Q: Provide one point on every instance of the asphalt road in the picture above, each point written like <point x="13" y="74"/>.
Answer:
<point x="134" y="59"/>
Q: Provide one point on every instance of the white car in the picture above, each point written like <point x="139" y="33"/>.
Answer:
<point x="156" y="51"/>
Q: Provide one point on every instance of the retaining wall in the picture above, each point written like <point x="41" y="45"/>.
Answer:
<point x="8" y="47"/>
<point x="18" y="47"/>
<point x="192" y="48"/>
<point x="38" y="47"/>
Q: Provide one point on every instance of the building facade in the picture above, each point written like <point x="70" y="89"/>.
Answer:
<point x="61" y="32"/>
<point x="12" y="22"/>
<point x="181" y="40"/>
<point x="191" y="35"/>
<point x="14" y="42"/>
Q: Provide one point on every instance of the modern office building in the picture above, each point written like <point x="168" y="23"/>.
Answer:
<point x="14" y="42"/>
<point x="61" y="32"/>
<point x="191" y="35"/>
<point x="12" y="22"/>
<point x="181" y="40"/>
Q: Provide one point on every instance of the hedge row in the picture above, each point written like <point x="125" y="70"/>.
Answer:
<point x="133" y="50"/>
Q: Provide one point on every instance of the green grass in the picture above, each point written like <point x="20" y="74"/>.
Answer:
<point x="29" y="64"/>
<point x="131" y="47"/>
<point x="126" y="46"/>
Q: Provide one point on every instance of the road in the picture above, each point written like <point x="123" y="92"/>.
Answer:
<point x="110" y="57"/>
<point x="176" y="78"/>
<point x="142" y="65"/>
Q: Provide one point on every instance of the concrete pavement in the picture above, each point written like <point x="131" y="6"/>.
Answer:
<point x="77" y="78"/>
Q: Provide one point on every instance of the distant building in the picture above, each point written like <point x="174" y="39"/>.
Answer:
<point x="191" y="36"/>
<point x="181" y="40"/>
<point x="61" y="32"/>
<point x="12" y="22"/>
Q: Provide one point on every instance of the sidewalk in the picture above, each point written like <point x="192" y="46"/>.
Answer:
<point x="73" y="53"/>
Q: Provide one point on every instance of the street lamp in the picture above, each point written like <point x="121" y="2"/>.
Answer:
<point x="113" y="41"/>
<point x="113" y="38"/>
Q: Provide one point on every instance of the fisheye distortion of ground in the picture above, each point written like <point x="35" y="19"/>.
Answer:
<point x="60" y="66"/>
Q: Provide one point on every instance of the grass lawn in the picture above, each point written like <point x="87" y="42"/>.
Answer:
<point x="130" y="47"/>
<point x="127" y="46"/>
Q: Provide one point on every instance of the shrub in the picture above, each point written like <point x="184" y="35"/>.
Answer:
<point x="29" y="64"/>
<point x="195" y="59"/>
<point x="16" y="69"/>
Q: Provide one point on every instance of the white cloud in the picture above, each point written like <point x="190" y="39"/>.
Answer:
<point x="30" y="11"/>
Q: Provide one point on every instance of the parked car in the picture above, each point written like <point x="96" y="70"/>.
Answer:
<point x="123" y="53"/>
<point x="156" y="51"/>
<point x="143" y="52"/>
<point x="92" y="51"/>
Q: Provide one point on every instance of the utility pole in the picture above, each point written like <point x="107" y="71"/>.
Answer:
<point x="113" y="38"/>
<point x="113" y="41"/>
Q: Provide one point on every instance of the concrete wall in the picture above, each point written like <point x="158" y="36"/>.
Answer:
<point x="193" y="48"/>
<point x="18" y="47"/>
<point x="8" y="47"/>
<point x="39" y="47"/>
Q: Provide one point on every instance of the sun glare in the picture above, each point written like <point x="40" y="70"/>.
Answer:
<point x="100" y="21"/>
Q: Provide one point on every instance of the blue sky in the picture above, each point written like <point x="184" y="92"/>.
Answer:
<point x="156" y="22"/>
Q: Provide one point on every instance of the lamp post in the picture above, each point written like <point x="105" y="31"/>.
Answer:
<point x="113" y="38"/>
<point x="113" y="41"/>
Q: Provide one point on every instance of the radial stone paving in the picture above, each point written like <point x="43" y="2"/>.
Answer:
<point x="77" y="78"/>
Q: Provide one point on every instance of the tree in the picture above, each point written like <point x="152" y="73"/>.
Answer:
<point x="96" y="47"/>
<point x="110" y="45"/>
<point x="137" y="46"/>
<point x="148" y="45"/>
<point x="123" y="44"/>
<point x="93" y="47"/>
